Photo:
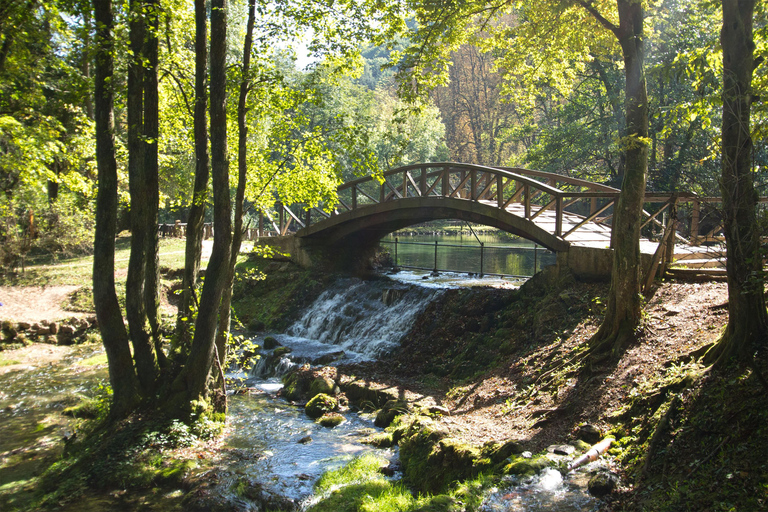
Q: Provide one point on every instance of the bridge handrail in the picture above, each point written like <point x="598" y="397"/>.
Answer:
<point x="559" y="177"/>
<point x="449" y="166"/>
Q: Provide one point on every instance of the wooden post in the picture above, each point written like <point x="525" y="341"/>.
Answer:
<point x="354" y="198"/>
<point x="405" y="184"/>
<point x="500" y="190"/>
<point x="423" y="181"/>
<point x="435" y="269"/>
<point x="695" y="222"/>
<point x="261" y="223"/>
<point x="535" y="257"/>
<point x="527" y="200"/>
<point x="559" y="216"/>
<point x="445" y="184"/>
<point x="473" y="185"/>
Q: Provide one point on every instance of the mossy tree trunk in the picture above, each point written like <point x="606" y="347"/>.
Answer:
<point x="747" y="330"/>
<point x="194" y="242"/>
<point x="139" y="183"/>
<point x="198" y="366"/>
<point x="624" y="307"/>
<point x="122" y="376"/>
<point x="242" y="170"/>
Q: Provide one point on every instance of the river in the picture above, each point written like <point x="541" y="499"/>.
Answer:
<point x="461" y="253"/>
<point x="352" y="320"/>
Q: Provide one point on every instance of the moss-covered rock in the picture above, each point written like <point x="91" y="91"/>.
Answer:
<point x="320" y="404"/>
<point x="379" y="440"/>
<point x="174" y="473"/>
<point x="498" y="451"/>
<point x="390" y="411"/>
<point x="270" y="343"/>
<point x="527" y="467"/>
<point x="432" y="461"/>
<point x="295" y="385"/>
<point x="321" y="384"/>
<point x="331" y="419"/>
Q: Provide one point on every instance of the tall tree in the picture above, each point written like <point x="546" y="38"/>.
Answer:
<point x="542" y="33"/>
<point x="142" y="175"/>
<point x="193" y="251"/>
<point x="623" y="310"/>
<point x="122" y="376"/>
<point x="225" y="312"/>
<point x="747" y="330"/>
<point x="202" y="353"/>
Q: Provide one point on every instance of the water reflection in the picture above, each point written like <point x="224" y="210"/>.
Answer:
<point x="462" y="253"/>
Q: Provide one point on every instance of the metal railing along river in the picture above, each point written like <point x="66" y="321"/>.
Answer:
<point x="482" y="248"/>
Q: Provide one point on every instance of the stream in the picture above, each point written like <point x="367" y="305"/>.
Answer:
<point x="282" y="449"/>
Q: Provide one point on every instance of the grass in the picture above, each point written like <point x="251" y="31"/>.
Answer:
<point x="77" y="271"/>
<point x="360" y="486"/>
<point x="4" y="361"/>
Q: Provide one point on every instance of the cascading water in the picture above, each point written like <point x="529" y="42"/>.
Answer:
<point x="353" y="320"/>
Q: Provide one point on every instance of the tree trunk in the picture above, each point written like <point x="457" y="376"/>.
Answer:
<point x="193" y="251"/>
<point x="623" y="310"/>
<point x="121" y="373"/>
<point x="242" y="169"/>
<point x="201" y="354"/>
<point x="747" y="329"/>
<point x="151" y="131"/>
<point x="135" y="305"/>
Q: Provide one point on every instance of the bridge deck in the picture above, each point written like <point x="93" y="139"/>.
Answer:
<point x="589" y="234"/>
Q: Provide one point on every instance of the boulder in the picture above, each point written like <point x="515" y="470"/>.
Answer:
<point x="589" y="434"/>
<point x="23" y="326"/>
<point x="65" y="334"/>
<point x="320" y="405"/>
<point x="390" y="410"/>
<point x="321" y="385"/>
<point x="270" y="343"/>
<point x="602" y="484"/>
<point x="331" y="419"/>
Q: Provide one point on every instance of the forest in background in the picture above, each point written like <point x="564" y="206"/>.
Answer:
<point x="341" y="116"/>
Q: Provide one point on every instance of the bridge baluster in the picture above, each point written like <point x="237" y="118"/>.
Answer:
<point x="405" y="184"/>
<point x="354" y="197"/>
<point x="500" y="190"/>
<point x="423" y="182"/>
<point x="527" y="200"/>
<point x="473" y="185"/>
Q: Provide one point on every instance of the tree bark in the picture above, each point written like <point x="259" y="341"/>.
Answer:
<point x="623" y="310"/>
<point x="225" y="312"/>
<point x="151" y="131"/>
<point x="193" y="250"/>
<point x="113" y="334"/>
<point x="135" y="305"/>
<point x="201" y="354"/>
<point x="747" y="330"/>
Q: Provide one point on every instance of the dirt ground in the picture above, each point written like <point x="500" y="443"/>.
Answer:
<point x="679" y="319"/>
<point x="35" y="303"/>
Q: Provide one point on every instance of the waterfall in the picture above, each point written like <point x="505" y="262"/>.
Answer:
<point x="367" y="318"/>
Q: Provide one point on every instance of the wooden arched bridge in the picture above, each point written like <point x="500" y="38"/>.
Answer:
<point x="570" y="216"/>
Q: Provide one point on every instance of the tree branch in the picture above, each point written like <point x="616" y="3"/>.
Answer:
<point x="587" y="5"/>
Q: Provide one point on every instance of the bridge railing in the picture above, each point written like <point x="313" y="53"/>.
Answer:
<point x="524" y="192"/>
